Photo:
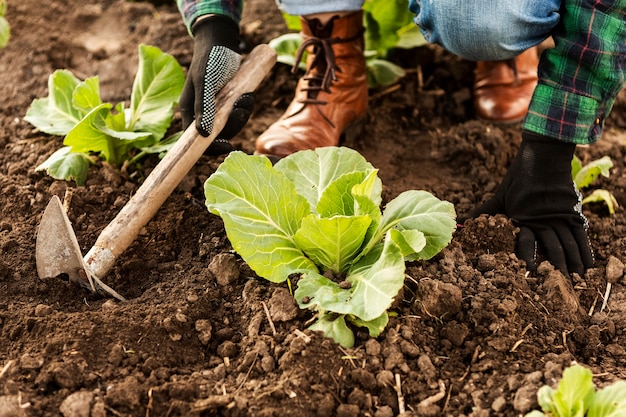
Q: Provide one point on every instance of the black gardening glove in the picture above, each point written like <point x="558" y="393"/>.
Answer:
<point x="215" y="61"/>
<point x="539" y="195"/>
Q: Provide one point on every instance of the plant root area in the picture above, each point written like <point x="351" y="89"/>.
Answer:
<point x="471" y="333"/>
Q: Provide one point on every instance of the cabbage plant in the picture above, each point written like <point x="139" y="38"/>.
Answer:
<point x="316" y="214"/>
<point x="74" y="109"/>
<point x="576" y="396"/>
<point x="585" y="176"/>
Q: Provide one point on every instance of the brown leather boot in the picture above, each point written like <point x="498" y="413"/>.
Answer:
<point x="331" y="98"/>
<point x="503" y="89"/>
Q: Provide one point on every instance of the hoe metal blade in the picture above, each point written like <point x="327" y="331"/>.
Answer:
<point x="57" y="251"/>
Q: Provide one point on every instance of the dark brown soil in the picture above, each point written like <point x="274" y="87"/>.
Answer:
<point x="472" y="334"/>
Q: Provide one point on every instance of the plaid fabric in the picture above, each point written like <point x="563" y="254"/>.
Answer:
<point x="192" y="9"/>
<point x="582" y="75"/>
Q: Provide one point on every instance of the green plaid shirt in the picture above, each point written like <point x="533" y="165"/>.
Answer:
<point x="192" y="9"/>
<point x="582" y="75"/>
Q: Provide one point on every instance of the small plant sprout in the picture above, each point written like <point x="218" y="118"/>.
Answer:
<point x="5" y="28"/>
<point x="75" y="110"/>
<point x="317" y="214"/>
<point x="585" y="175"/>
<point x="576" y="396"/>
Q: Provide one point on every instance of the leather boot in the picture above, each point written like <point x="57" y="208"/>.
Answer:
<point x="331" y="98"/>
<point x="503" y="89"/>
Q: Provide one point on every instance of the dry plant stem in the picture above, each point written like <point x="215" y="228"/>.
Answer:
<point x="434" y="398"/>
<point x="6" y="368"/>
<point x="113" y="411"/>
<point x="386" y="91"/>
<point x="67" y="199"/>
<point x="347" y="356"/>
<point x="516" y="345"/>
<point x="150" y="402"/>
<point x="303" y="335"/>
<point x="398" y="388"/>
<point x="256" y="356"/>
<point x="521" y="340"/>
<point x="211" y="403"/>
<point x="22" y="405"/>
<point x="445" y="404"/>
<point x="593" y="306"/>
<point x="474" y="358"/>
<point x="564" y="334"/>
<point x="607" y="294"/>
<point x="269" y="317"/>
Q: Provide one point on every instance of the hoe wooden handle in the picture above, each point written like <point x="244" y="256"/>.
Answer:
<point x="122" y="231"/>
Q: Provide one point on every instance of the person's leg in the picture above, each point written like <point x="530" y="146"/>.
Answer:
<point x="581" y="77"/>
<point x="502" y="36"/>
<point x="331" y="98"/>
<point x="318" y="7"/>
<point x="486" y="30"/>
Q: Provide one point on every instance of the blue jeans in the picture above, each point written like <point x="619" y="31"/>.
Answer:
<point x="486" y="30"/>
<point x="305" y="7"/>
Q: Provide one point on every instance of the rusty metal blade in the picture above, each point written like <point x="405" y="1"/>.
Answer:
<point x="57" y="251"/>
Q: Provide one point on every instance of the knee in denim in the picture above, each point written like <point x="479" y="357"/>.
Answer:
<point x="484" y="29"/>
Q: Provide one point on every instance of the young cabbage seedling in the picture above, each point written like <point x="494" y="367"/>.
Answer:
<point x="317" y="214"/>
<point x="75" y="110"/>
<point x="584" y="176"/>
<point x="576" y="396"/>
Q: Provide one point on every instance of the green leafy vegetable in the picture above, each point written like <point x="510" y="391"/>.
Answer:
<point x="75" y="110"/>
<point x="68" y="165"/>
<point x="388" y="25"/>
<point x="584" y="176"/>
<point x="381" y="73"/>
<point x="5" y="28"/>
<point x="317" y="214"/>
<point x="286" y="47"/>
<point x="576" y="396"/>
<point x="55" y="114"/>
<point x="602" y="196"/>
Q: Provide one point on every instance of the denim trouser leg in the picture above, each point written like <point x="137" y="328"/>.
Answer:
<point x="486" y="30"/>
<point x="304" y="7"/>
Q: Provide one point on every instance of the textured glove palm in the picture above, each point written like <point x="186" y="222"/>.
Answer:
<point x="215" y="62"/>
<point x="539" y="195"/>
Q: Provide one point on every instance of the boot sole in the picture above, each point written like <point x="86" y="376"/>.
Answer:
<point x="350" y="133"/>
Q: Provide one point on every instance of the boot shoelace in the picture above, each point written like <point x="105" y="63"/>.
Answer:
<point x="324" y="60"/>
<point x="512" y="63"/>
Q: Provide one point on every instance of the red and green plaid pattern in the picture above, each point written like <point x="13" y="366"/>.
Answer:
<point x="582" y="75"/>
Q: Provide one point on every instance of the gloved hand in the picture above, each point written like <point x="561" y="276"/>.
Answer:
<point x="539" y="195"/>
<point x="214" y="63"/>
